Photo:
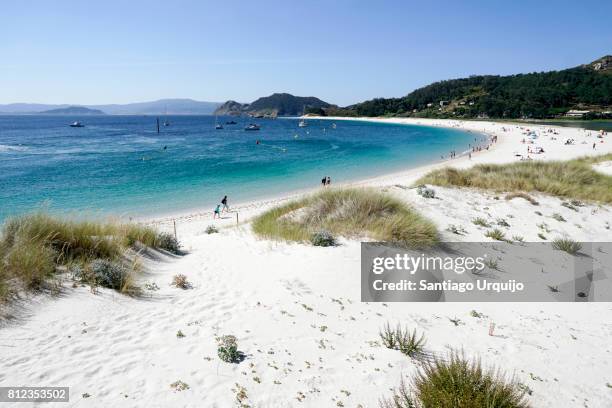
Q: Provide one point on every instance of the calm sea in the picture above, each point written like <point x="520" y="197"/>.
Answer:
<point x="120" y="165"/>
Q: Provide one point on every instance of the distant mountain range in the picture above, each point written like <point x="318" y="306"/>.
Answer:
<point x="171" y="106"/>
<point x="72" y="110"/>
<point x="584" y="91"/>
<point x="278" y="104"/>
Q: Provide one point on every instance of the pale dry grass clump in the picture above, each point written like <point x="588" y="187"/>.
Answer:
<point x="572" y="179"/>
<point x="525" y="196"/>
<point x="348" y="212"/>
<point x="34" y="247"/>
<point x="180" y="281"/>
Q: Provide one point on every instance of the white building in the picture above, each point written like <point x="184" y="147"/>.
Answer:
<point x="576" y="113"/>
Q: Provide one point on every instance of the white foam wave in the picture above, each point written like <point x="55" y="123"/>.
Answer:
<point x="12" y="148"/>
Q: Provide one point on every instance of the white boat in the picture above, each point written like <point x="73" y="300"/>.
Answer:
<point x="302" y="122"/>
<point x="166" y="122"/>
<point x="76" y="124"/>
<point x="218" y="126"/>
<point x="252" y="126"/>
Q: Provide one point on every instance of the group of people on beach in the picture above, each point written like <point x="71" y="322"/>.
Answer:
<point x="475" y="148"/>
<point x="326" y="181"/>
<point x="221" y="207"/>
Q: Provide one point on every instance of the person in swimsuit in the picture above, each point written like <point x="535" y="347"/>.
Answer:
<point x="224" y="202"/>
<point x="217" y="212"/>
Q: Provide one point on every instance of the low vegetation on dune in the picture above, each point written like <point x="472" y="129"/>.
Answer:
<point x="347" y="212"/>
<point x="35" y="247"/>
<point x="457" y="382"/>
<point x="569" y="179"/>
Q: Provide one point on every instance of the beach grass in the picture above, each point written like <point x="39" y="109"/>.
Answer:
<point x="457" y="382"/>
<point x="568" y="179"/>
<point x="34" y="247"/>
<point x="348" y="212"/>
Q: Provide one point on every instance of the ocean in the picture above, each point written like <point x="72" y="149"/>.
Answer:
<point x="121" y="166"/>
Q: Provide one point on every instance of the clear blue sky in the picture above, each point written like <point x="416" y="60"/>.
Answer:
<point x="341" y="51"/>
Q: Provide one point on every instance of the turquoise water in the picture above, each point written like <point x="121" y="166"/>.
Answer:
<point x="118" y="165"/>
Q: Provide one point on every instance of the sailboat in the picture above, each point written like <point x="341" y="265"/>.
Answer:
<point x="303" y="121"/>
<point x="218" y="126"/>
<point x="166" y="122"/>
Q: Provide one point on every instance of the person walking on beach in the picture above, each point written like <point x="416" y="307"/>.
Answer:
<point x="593" y="146"/>
<point x="328" y="181"/>
<point x="225" y="206"/>
<point x="217" y="213"/>
<point x="324" y="181"/>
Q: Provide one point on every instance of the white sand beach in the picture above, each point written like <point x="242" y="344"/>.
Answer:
<point x="296" y="313"/>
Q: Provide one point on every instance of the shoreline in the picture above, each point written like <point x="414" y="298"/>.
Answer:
<point x="508" y="145"/>
<point x="247" y="207"/>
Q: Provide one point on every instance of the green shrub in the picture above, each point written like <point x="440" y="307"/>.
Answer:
<point x="168" y="242"/>
<point x="426" y="192"/>
<point x="456" y="229"/>
<point x="481" y="222"/>
<point x="387" y="336"/>
<point x="496" y="234"/>
<point x="179" y="385"/>
<point x="491" y="263"/>
<point x="409" y="344"/>
<point x="109" y="274"/>
<point x="568" y="245"/>
<point x="403" y="340"/>
<point x="211" y="229"/>
<point x="558" y="217"/>
<point x="502" y="222"/>
<point x="228" y="349"/>
<point x="323" y="238"/>
<point x="456" y="382"/>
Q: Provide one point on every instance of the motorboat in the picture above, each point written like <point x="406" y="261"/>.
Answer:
<point x="252" y="126"/>
<point x="77" y="124"/>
